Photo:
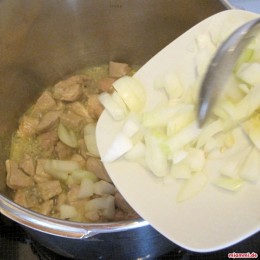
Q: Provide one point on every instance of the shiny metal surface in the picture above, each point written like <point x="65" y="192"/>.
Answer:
<point x="41" y="41"/>
<point x="221" y="66"/>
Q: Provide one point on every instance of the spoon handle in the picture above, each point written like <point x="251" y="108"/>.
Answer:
<point x="221" y="66"/>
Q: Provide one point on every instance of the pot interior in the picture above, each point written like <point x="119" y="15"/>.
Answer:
<point x="43" y="41"/>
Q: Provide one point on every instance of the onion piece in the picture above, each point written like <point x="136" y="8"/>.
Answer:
<point x="180" y="120"/>
<point x="230" y="184"/>
<point x="67" y="136"/>
<point x="159" y="117"/>
<point x="252" y="128"/>
<point x="103" y="187"/>
<point x="249" y="73"/>
<point x="60" y="169"/>
<point x="86" y="188"/>
<point x="119" y="146"/>
<point x="78" y="175"/>
<point x="155" y="156"/>
<point x="209" y="131"/>
<point x="68" y="212"/>
<point x="232" y="165"/>
<point x="184" y="137"/>
<point x="113" y="106"/>
<point x="105" y="204"/>
<point x="90" y="139"/>
<point x="131" y="91"/>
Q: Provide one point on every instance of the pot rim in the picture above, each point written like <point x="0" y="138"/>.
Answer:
<point x="63" y="228"/>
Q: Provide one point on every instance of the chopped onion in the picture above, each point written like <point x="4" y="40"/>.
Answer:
<point x="113" y="105"/>
<point x="86" y="188"/>
<point x="90" y="139"/>
<point x="60" y="169"/>
<point x="68" y="212"/>
<point x="78" y="175"/>
<point x="231" y="184"/>
<point x="103" y="187"/>
<point x="155" y="156"/>
<point x="131" y="91"/>
<point x="105" y="204"/>
<point x="67" y="136"/>
<point x="120" y="145"/>
<point x="249" y="73"/>
<point x="186" y="136"/>
<point x="252" y="128"/>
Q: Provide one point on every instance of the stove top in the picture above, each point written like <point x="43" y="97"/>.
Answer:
<point x="15" y="244"/>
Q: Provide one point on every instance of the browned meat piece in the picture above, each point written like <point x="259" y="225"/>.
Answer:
<point x="40" y="175"/>
<point x="63" y="151"/>
<point x="46" y="207"/>
<point x="96" y="166"/>
<point x="78" y="158"/>
<point x="105" y="85"/>
<point x="70" y="89"/>
<point x="95" y="108"/>
<point x="48" y="121"/>
<point x="117" y="69"/>
<point x="27" y="164"/>
<point x="60" y="200"/>
<point x="44" y="103"/>
<point x="73" y="193"/>
<point x="72" y="120"/>
<point x="121" y="215"/>
<point x="49" y="189"/>
<point x="79" y="205"/>
<point x="28" y="126"/>
<point x="79" y="109"/>
<point x="16" y="178"/>
<point x="122" y="204"/>
<point x="20" y="198"/>
<point x="47" y="142"/>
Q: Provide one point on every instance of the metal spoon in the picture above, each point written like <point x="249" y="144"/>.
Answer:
<point x="221" y="67"/>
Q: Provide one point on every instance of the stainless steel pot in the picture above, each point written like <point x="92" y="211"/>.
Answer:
<point x="43" y="40"/>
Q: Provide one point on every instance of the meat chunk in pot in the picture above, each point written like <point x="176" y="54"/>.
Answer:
<point x="63" y="151"/>
<point x="40" y="175"/>
<point x="72" y="120"/>
<point x="47" y="142"/>
<point x="106" y="85"/>
<point x="27" y="164"/>
<point x="46" y="207"/>
<point x="96" y="166"/>
<point x="79" y="109"/>
<point x="70" y="89"/>
<point x="95" y="108"/>
<point x="16" y="178"/>
<point x="28" y="126"/>
<point x="48" y="121"/>
<point x="44" y="103"/>
<point x="117" y="69"/>
<point x="20" y="198"/>
<point x="49" y="189"/>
